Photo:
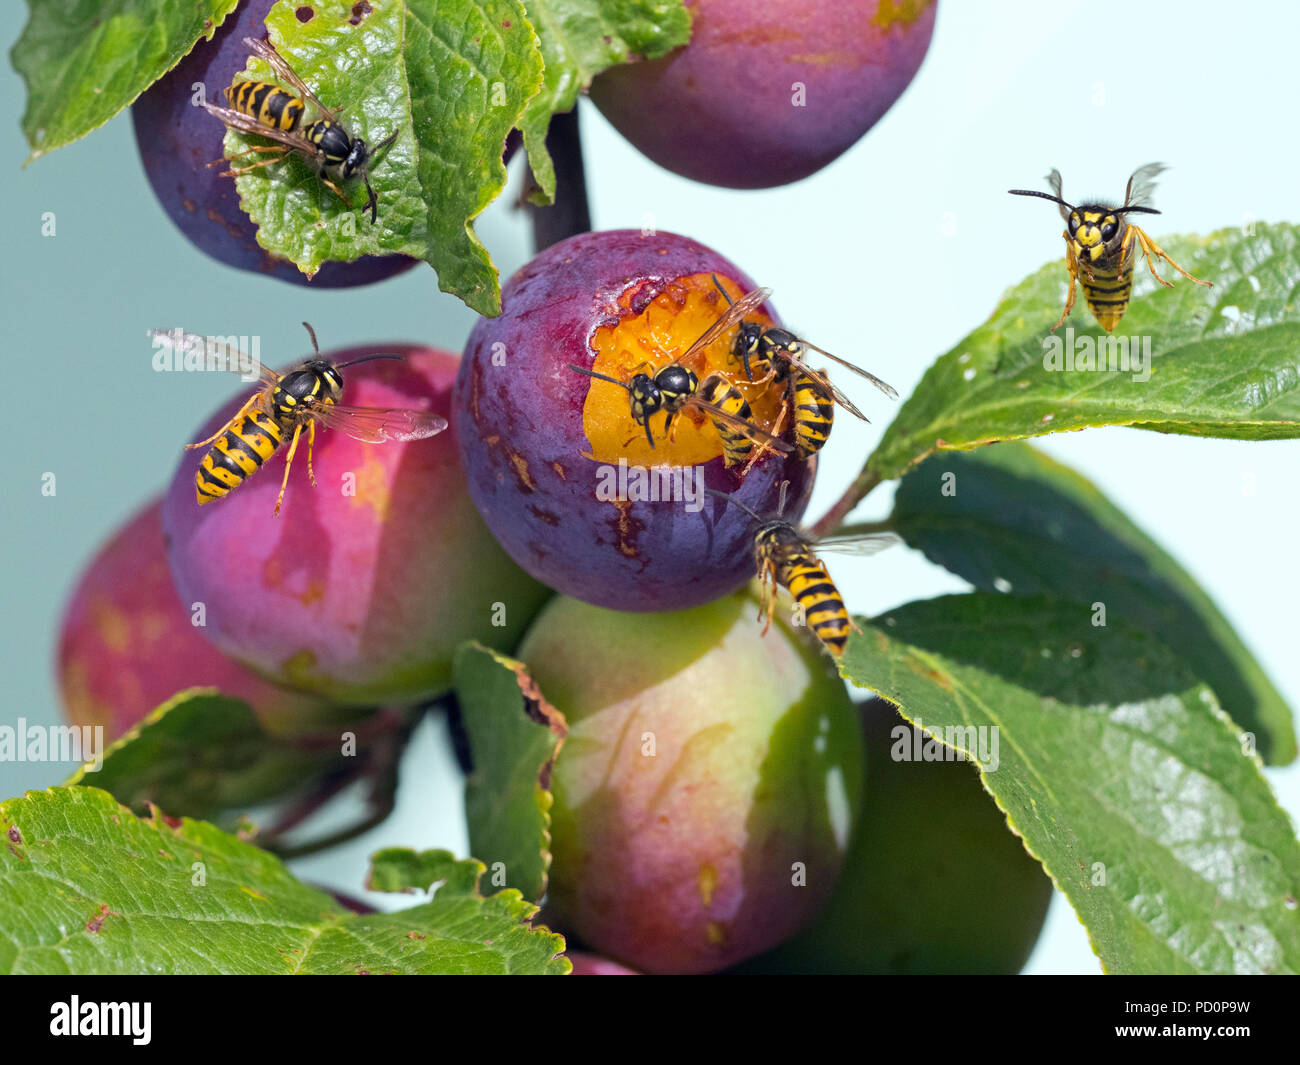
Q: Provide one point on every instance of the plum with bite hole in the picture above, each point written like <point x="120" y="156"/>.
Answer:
<point x="563" y="474"/>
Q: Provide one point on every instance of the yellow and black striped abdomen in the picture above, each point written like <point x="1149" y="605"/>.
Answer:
<point x="239" y="452"/>
<point x="736" y="446"/>
<point x="266" y="102"/>
<point x="814" y="412"/>
<point x="1107" y="291"/>
<point x="805" y="578"/>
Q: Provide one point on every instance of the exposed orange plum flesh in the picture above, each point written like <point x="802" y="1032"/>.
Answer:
<point x="646" y="343"/>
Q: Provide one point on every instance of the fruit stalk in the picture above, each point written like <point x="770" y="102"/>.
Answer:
<point x="570" y="214"/>
<point x="853" y="495"/>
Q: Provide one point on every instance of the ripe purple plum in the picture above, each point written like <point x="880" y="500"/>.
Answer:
<point x="128" y="644"/>
<point x="707" y="787"/>
<point x="362" y="588"/>
<point x="768" y="93"/>
<point x="934" y="881"/>
<point x="564" y="476"/>
<point x="177" y="139"/>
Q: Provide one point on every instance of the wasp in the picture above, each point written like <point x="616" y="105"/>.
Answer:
<point x="1101" y="246"/>
<point x="785" y="556"/>
<point x="675" y="388"/>
<point x="281" y="409"/>
<point x="779" y="355"/>
<point x="265" y="109"/>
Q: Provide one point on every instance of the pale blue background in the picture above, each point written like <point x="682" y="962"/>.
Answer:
<point x="910" y="235"/>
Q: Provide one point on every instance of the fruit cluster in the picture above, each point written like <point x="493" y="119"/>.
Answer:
<point x="621" y="439"/>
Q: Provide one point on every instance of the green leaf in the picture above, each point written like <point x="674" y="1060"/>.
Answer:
<point x="1225" y="361"/>
<point x="1116" y="767"/>
<point x="200" y="753"/>
<point x="1015" y="516"/>
<point x="452" y="77"/>
<point x="581" y="38"/>
<point x="86" y="887"/>
<point x="514" y="736"/>
<point x="83" y="62"/>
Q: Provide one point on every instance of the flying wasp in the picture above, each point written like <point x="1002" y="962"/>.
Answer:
<point x="265" y="109"/>
<point x="783" y="555"/>
<point x="1101" y="246"/>
<point x="778" y="355"/>
<point x="284" y="406"/>
<point x="676" y="388"/>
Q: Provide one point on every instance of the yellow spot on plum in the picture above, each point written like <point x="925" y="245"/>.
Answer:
<point x="716" y="932"/>
<point x="111" y="624"/>
<point x="892" y="13"/>
<point x="300" y="667"/>
<point x="708" y="881"/>
<point x="372" y="487"/>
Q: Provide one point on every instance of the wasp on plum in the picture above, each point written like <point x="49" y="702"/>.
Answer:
<point x="281" y="409"/>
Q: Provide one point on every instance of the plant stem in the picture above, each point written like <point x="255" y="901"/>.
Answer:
<point x="856" y="492"/>
<point x="569" y="215"/>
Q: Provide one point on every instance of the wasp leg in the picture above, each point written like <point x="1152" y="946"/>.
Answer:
<point x="767" y="605"/>
<point x="256" y="166"/>
<point x="249" y="151"/>
<point x="252" y="401"/>
<point x="1071" y="264"/>
<point x="1150" y="248"/>
<point x="311" y="443"/>
<point x="763" y="445"/>
<point x="288" y="462"/>
<point x="337" y="191"/>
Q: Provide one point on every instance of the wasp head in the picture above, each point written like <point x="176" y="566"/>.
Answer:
<point x="1094" y="230"/>
<point x="647" y="399"/>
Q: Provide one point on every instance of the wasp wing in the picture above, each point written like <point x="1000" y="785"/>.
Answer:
<point x="265" y="50"/>
<point x="1054" y="183"/>
<point x="749" y="429"/>
<point x="822" y="383"/>
<point x="374" y="425"/>
<point x="861" y="544"/>
<point x="1142" y="184"/>
<point x="211" y="353"/>
<point x="245" y="124"/>
<point x="747" y="303"/>
<point x="886" y="388"/>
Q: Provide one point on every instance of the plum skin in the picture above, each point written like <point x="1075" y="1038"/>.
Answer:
<point x="682" y="861"/>
<point x="177" y="140"/>
<point x="359" y="597"/>
<point x="127" y="645"/>
<point x="519" y="422"/>
<point x="721" y="109"/>
<point x="934" y="881"/>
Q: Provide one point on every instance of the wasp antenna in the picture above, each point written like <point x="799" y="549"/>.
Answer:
<point x="312" y="333"/>
<point x="1130" y="210"/>
<point x="718" y="285"/>
<point x="384" y="143"/>
<point x="371" y="358"/>
<point x="1041" y="195"/>
<point x="372" y="204"/>
<point x="732" y="499"/>
<point x="601" y="376"/>
<point x="780" y="499"/>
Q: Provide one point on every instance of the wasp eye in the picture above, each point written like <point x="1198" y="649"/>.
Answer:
<point x="1108" y="230"/>
<point x="1074" y="223"/>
